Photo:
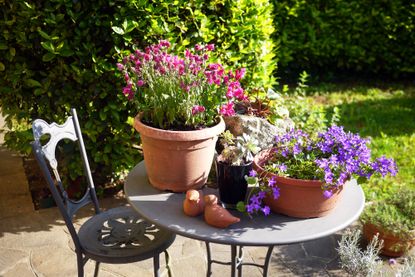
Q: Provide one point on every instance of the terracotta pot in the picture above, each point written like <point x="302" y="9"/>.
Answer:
<point x="298" y="198"/>
<point x="393" y="246"/>
<point x="178" y="160"/>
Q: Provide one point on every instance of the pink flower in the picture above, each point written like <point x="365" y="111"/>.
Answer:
<point x="240" y="73"/>
<point x="227" y="109"/>
<point x="128" y="91"/>
<point x="198" y="47"/>
<point x="197" y="109"/>
<point x="187" y="53"/>
<point x="140" y="83"/>
<point x="164" y="43"/>
<point x="147" y="57"/>
<point x="210" y="47"/>
<point x="184" y="87"/>
<point x="120" y="66"/>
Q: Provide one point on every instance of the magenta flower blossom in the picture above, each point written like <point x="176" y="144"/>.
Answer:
<point x="171" y="89"/>
<point x="227" y="109"/>
<point x="198" y="109"/>
<point x="210" y="47"/>
<point x="240" y="73"/>
<point x="120" y="66"/>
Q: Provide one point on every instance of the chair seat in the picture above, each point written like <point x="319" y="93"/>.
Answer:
<point x="119" y="235"/>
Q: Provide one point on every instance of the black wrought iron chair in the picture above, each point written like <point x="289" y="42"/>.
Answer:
<point x="116" y="235"/>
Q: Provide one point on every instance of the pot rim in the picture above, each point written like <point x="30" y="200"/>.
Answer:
<point x="202" y="134"/>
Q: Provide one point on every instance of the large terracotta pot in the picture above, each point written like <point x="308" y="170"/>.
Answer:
<point x="298" y="198"/>
<point x="178" y="160"/>
<point x="393" y="246"/>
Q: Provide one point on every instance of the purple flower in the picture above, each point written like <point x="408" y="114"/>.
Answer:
<point x="276" y="192"/>
<point x="297" y="149"/>
<point x="272" y="181"/>
<point x="265" y="210"/>
<point x="385" y="166"/>
<point x="285" y="153"/>
<point x="252" y="173"/>
<point x="282" y="167"/>
<point x="392" y="262"/>
<point x="327" y="194"/>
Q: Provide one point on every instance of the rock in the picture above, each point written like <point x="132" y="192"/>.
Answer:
<point x="258" y="128"/>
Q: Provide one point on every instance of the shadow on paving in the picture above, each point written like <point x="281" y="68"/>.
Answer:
<point x="50" y="218"/>
<point x="314" y="258"/>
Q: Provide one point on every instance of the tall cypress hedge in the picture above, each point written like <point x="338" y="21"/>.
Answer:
<point x="62" y="53"/>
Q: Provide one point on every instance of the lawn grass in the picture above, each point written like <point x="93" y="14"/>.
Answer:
<point x="386" y="114"/>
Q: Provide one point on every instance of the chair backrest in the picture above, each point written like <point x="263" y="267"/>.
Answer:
<point x="46" y="157"/>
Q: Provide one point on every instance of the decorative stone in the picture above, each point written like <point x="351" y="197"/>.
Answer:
<point x="257" y="128"/>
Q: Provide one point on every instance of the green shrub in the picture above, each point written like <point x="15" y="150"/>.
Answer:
<point x="326" y="37"/>
<point x="227" y="24"/>
<point x="62" y="53"/>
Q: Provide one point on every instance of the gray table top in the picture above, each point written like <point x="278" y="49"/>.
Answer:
<point x="165" y="209"/>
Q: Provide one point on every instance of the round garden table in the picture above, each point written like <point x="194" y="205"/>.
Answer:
<point x="165" y="209"/>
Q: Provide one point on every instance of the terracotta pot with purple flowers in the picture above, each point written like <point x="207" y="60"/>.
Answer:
<point x="179" y="101"/>
<point x="303" y="174"/>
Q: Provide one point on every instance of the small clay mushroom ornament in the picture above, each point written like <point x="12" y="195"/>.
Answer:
<point x="216" y="215"/>
<point x="193" y="204"/>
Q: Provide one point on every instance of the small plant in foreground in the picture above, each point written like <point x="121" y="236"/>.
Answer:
<point x="355" y="261"/>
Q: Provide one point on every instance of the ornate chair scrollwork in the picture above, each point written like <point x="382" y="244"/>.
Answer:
<point x="116" y="235"/>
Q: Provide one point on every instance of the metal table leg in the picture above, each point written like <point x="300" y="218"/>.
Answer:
<point x="237" y="261"/>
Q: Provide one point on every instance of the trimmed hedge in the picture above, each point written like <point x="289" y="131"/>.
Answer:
<point x="62" y="53"/>
<point x="325" y="37"/>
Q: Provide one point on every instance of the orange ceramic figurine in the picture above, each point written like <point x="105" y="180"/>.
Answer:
<point x="216" y="215"/>
<point x="193" y="204"/>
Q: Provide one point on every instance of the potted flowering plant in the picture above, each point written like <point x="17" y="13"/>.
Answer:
<point x="180" y="100"/>
<point x="232" y="165"/>
<point x="316" y="165"/>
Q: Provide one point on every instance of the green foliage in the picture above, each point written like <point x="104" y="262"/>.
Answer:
<point x="362" y="36"/>
<point x="239" y="150"/>
<point x="307" y="114"/>
<point x="395" y="215"/>
<point x="227" y="24"/>
<point x="57" y="55"/>
<point x="62" y="53"/>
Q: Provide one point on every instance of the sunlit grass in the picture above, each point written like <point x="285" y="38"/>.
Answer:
<point x="387" y="116"/>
